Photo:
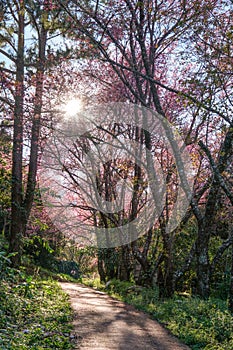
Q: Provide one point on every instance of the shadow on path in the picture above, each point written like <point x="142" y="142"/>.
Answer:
<point x="102" y="323"/>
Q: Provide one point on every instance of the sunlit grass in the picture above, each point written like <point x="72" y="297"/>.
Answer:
<point x="34" y="314"/>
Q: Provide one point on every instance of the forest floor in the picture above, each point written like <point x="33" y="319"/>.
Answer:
<point x="103" y="323"/>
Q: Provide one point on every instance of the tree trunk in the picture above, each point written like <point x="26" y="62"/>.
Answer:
<point x="231" y="285"/>
<point x="165" y="278"/>
<point x="204" y="225"/>
<point x="36" y="124"/>
<point x="124" y="266"/>
<point x="15" y="239"/>
<point x="21" y="207"/>
<point x="101" y="267"/>
<point x="203" y="265"/>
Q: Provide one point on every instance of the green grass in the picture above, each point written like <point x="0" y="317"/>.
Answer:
<point x="201" y="324"/>
<point x="34" y="314"/>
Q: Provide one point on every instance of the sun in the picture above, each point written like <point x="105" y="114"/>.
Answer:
<point x="72" y="107"/>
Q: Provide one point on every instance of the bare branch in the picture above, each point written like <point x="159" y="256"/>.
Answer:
<point x="216" y="171"/>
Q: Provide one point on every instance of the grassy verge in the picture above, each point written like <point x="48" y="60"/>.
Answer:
<point x="34" y="314"/>
<point x="201" y="324"/>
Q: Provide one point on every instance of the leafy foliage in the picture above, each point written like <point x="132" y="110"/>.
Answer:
<point x="202" y="324"/>
<point x="34" y="315"/>
<point x="5" y="179"/>
<point x="39" y="250"/>
<point x="34" y="312"/>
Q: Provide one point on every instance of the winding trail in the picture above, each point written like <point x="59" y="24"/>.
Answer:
<point x="103" y="323"/>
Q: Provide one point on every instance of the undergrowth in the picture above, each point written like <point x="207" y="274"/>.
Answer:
<point x="201" y="324"/>
<point x="34" y="313"/>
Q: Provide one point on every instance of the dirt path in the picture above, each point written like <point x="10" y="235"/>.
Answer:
<point x="102" y="323"/>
